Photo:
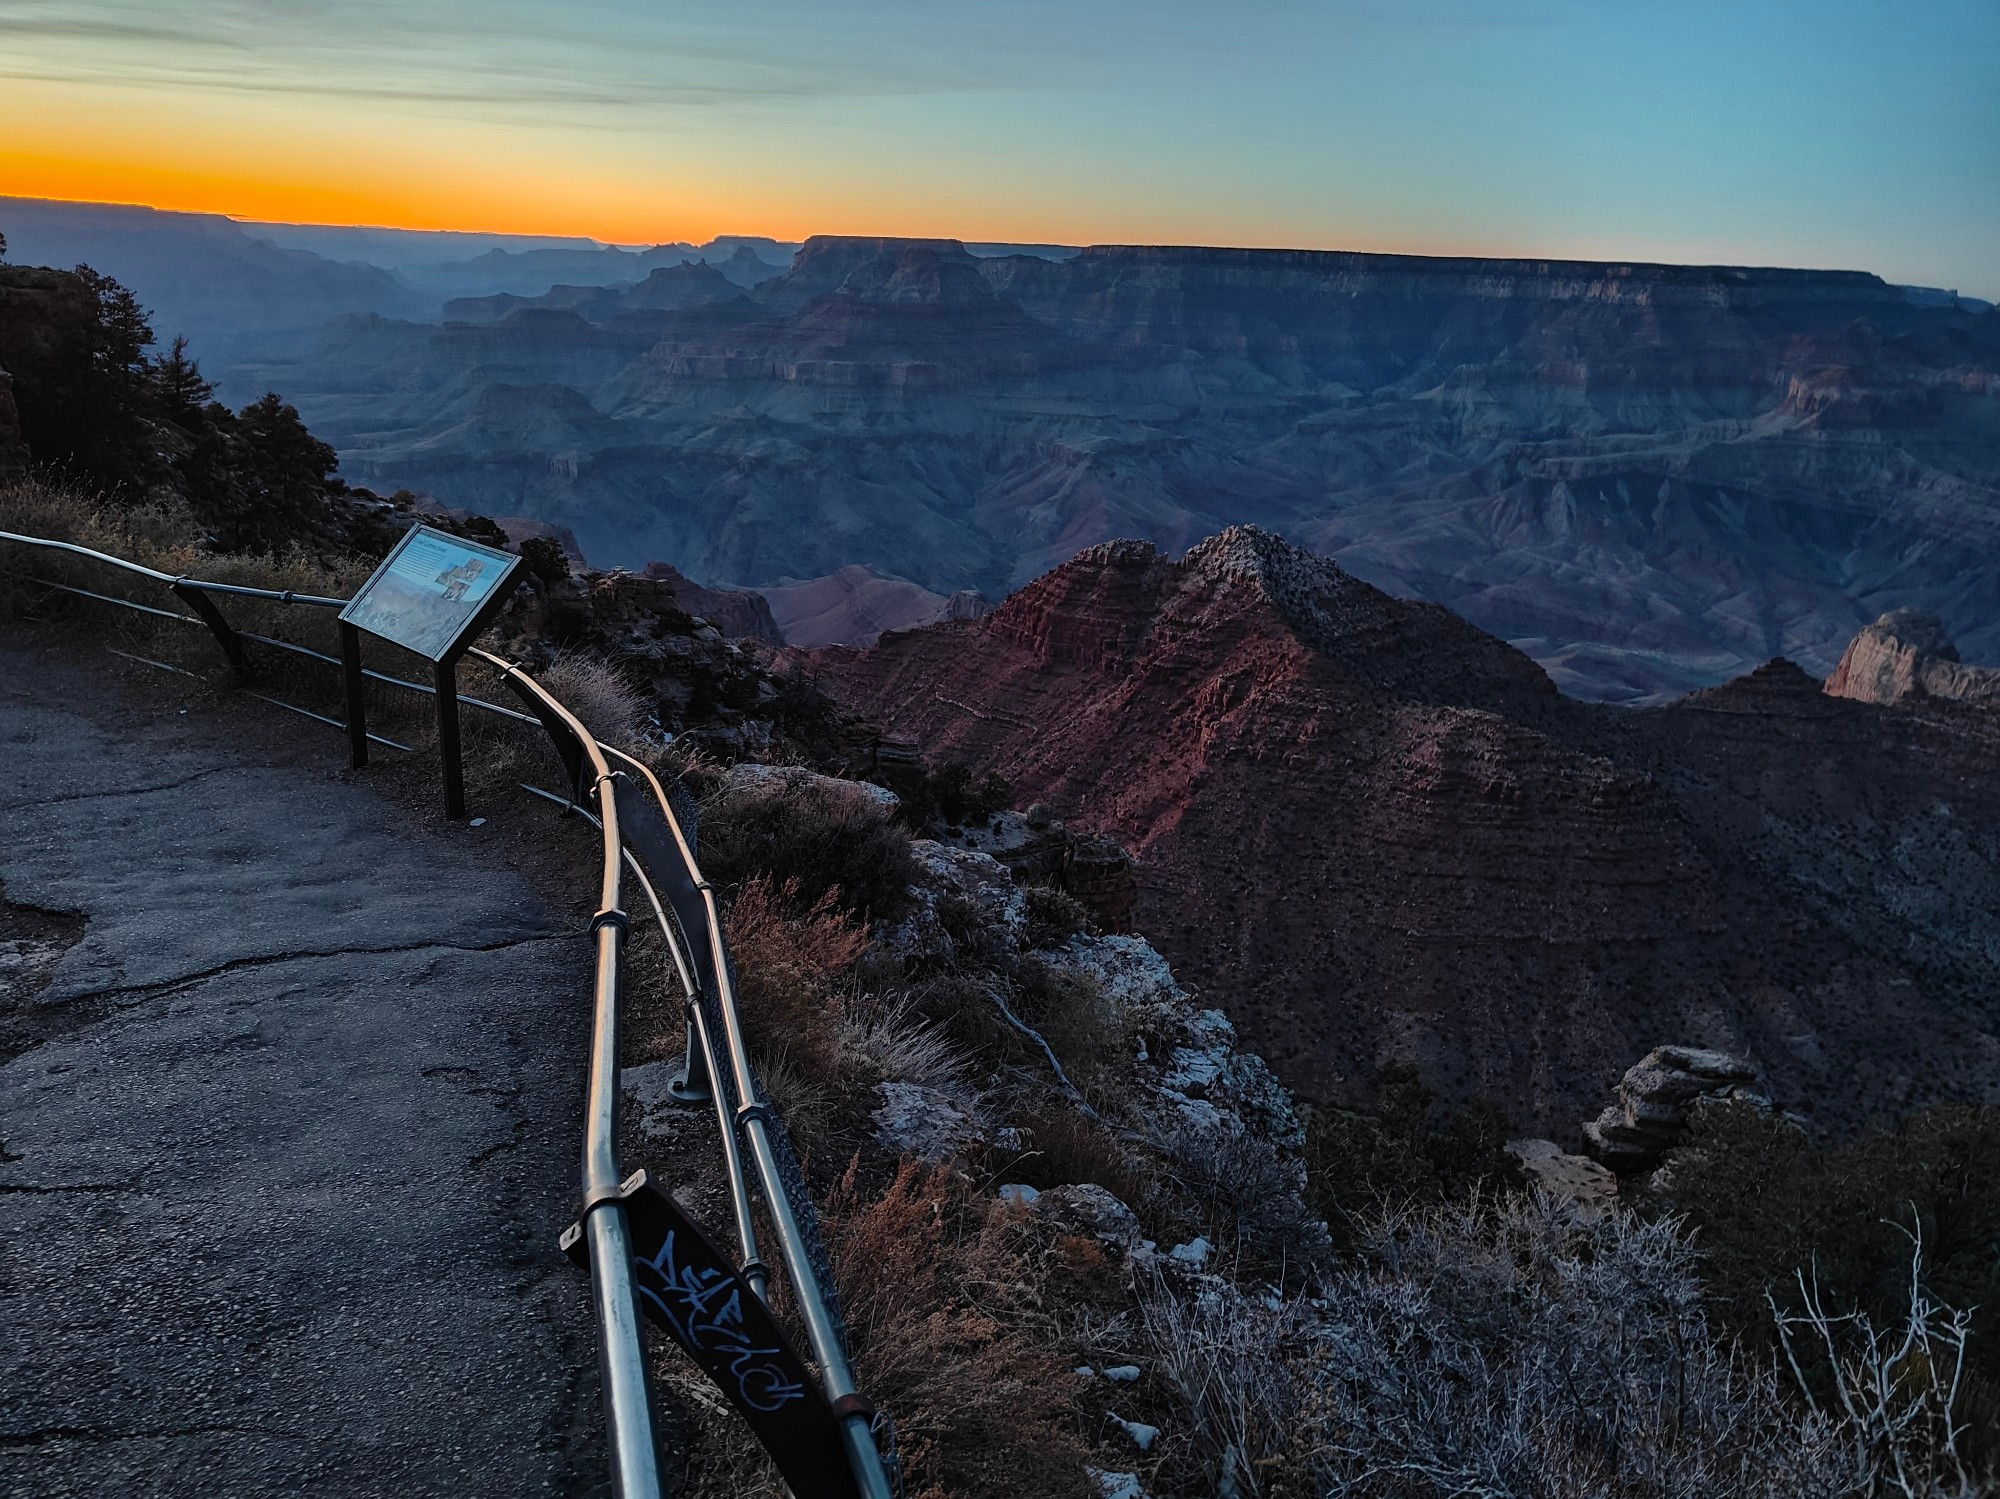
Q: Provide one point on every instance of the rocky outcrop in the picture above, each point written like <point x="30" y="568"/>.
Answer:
<point x="967" y="603"/>
<point x="1039" y="848"/>
<point x="1656" y="1097"/>
<point x="1370" y="833"/>
<point x="1589" y="1187"/>
<point x="739" y="613"/>
<point x="1907" y="653"/>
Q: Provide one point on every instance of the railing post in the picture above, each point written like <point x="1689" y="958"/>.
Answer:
<point x="232" y="643"/>
<point x="351" y="681"/>
<point x="692" y="1083"/>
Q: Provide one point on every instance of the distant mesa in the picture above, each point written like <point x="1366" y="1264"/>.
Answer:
<point x="857" y="605"/>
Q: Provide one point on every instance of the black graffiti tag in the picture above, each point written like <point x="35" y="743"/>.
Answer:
<point x="705" y="1308"/>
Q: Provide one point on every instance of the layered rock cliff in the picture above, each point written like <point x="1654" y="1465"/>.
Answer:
<point x="1649" y="477"/>
<point x="1372" y="832"/>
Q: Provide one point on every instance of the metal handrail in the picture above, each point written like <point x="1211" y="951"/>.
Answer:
<point x="628" y="1406"/>
<point x="754" y="1117"/>
<point x="750" y="1267"/>
<point x="620" y="1347"/>
<point x="239" y="590"/>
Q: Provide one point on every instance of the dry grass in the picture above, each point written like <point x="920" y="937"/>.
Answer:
<point x="790" y="968"/>
<point x="165" y="538"/>
<point x="591" y="688"/>
<point x="943" y="1298"/>
<point x="885" y="1039"/>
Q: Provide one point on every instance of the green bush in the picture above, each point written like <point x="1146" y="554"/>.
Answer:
<point x="1411" y="1152"/>
<point x="1764" y="1201"/>
<point x="950" y="795"/>
<point x="1053" y="917"/>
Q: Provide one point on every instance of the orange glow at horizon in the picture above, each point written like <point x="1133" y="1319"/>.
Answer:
<point x="610" y="211"/>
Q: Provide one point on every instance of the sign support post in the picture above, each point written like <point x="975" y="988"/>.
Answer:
<point x="448" y="744"/>
<point x="432" y="594"/>
<point x="351" y="682"/>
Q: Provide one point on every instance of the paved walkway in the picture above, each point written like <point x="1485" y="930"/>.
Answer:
<point x="287" y="1137"/>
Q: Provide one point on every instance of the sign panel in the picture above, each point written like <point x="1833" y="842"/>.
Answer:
<point x="433" y="593"/>
<point x="688" y="1287"/>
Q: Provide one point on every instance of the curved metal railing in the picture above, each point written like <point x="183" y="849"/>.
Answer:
<point x="718" y="1068"/>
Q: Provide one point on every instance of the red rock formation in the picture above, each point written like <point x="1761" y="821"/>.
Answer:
<point x="1373" y="833"/>
<point x="1906" y="653"/>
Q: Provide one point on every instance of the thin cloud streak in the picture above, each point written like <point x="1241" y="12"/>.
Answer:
<point x="393" y="54"/>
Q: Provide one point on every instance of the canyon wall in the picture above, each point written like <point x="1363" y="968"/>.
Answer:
<point x="1372" y="832"/>
<point x="1651" y="478"/>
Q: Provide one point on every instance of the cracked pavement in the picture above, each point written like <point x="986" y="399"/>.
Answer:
<point x="288" y="1134"/>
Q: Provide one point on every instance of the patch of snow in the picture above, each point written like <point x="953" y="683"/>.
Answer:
<point x="1142" y="1435"/>
<point x="1117" y="1485"/>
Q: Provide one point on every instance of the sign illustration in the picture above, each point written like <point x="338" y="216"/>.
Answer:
<point x="430" y="595"/>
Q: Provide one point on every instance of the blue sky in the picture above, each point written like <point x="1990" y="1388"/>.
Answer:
<point x="1846" y="133"/>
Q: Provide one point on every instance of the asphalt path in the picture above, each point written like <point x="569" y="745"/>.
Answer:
<point x="288" y="1132"/>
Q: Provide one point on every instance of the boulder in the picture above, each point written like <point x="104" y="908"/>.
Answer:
<point x="1655" y="1098"/>
<point x="929" y="1124"/>
<point x="1574" y="1179"/>
<point x="1091" y="1211"/>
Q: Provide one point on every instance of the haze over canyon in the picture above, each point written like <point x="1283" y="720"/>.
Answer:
<point x="1649" y="478"/>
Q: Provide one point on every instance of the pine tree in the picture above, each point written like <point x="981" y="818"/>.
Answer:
<point x="179" y="387"/>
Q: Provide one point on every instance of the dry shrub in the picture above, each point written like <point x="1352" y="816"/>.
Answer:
<point x="888" y="1040"/>
<point x="823" y="836"/>
<point x="1064" y="1148"/>
<point x="1086" y="1029"/>
<point x="942" y="1295"/>
<point x="160" y="536"/>
<point x="1243" y="1190"/>
<point x="789" y="967"/>
<point x="1504" y="1346"/>
<point x="591" y="688"/>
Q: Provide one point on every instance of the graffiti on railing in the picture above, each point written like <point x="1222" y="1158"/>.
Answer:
<point x="688" y="1287"/>
<point x="704" y="1307"/>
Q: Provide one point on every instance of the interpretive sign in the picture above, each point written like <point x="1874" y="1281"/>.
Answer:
<point x="433" y="593"/>
<point x="687" y="1286"/>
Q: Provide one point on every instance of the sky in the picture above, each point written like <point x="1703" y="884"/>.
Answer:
<point x="1846" y="133"/>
